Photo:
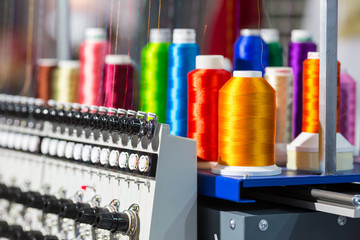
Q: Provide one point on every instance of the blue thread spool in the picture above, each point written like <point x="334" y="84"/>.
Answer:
<point x="182" y="55"/>
<point x="247" y="51"/>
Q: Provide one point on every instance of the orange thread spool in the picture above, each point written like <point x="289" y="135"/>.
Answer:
<point x="311" y="94"/>
<point x="247" y="112"/>
<point x="46" y="68"/>
<point x="204" y="84"/>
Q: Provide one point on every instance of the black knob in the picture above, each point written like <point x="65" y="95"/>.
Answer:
<point x="53" y="205"/>
<point x="123" y="124"/>
<point x="38" y="112"/>
<point x="71" y="210"/>
<point x="36" y="200"/>
<point x="4" y="193"/>
<point x="95" y="120"/>
<point x="16" y="232"/>
<point x="103" y="122"/>
<point x="16" y="195"/>
<point x="4" y="229"/>
<point x="88" y="215"/>
<point x="3" y="108"/>
<point x="136" y="126"/>
<point x="49" y="237"/>
<point x="17" y="110"/>
<point x="77" y="118"/>
<point x="150" y="129"/>
<point x="34" y="235"/>
<point x="73" y="117"/>
<point x="113" y="123"/>
<point x="10" y="109"/>
<point x="85" y="119"/>
<point x="24" y="111"/>
<point x="31" y="110"/>
<point x="114" y="222"/>
<point x="61" y="117"/>
<point x="52" y="114"/>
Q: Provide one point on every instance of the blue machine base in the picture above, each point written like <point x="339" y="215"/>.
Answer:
<point x="229" y="188"/>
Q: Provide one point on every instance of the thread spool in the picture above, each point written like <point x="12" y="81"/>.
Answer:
<point x="247" y="112"/>
<point x="301" y="44"/>
<point x="280" y="78"/>
<point x="118" y="81"/>
<point x="347" y="115"/>
<point x="182" y="54"/>
<point x="65" y="81"/>
<point x="46" y="67"/>
<point x="91" y="55"/>
<point x="154" y="64"/>
<point x="303" y="151"/>
<point x="272" y="39"/>
<point x="250" y="51"/>
<point x="204" y="85"/>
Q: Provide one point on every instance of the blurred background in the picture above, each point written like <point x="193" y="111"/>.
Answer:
<point x="54" y="32"/>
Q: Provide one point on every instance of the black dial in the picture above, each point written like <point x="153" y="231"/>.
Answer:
<point x="114" y="222"/>
<point x="53" y="205"/>
<point x="85" y="119"/>
<point x="71" y="210"/>
<point x="113" y="123"/>
<point x="123" y="124"/>
<point x="88" y="215"/>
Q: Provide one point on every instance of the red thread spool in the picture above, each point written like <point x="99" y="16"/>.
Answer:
<point x="204" y="84"/>
<point x="118" y="81"/>
<point x="91" y="55"/>
<point x="46" y="68"/>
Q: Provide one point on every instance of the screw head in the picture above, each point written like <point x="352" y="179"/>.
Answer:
<point x="232" y="224"/>
<point x="341" y="220"/>
<point x="263" y="225"/>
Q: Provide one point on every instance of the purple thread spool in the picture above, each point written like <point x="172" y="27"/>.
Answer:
<point x="299" y="47"/>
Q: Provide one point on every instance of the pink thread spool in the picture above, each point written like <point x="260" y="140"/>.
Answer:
<point x="118" y="81"/>
<point x="347" y="107"/>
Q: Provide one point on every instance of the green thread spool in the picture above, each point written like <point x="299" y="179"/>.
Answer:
<point x="65" y="81"/>
<point x="271" y="37"/>
<point x="154" y="64"/>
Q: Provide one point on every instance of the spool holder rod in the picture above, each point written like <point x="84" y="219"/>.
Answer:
<point x="328" y="84"/>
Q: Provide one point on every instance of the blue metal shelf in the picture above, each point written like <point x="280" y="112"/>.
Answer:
<point x="229" y="188"/>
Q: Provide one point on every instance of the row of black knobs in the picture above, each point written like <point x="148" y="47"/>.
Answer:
<point x="122" y="124"/>
<point x="82" y="212"/>
<point x="16" y="232"/>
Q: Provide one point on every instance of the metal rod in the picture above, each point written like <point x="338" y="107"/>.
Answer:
<point x="63" y="30"/>
<point x="328" y="84"/>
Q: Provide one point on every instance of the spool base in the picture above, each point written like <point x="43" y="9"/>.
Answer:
<point x="303" y="153"/>
<point x="205" y="164"/>
<point x="280" y="154"/>
<point x="246" y="171"/>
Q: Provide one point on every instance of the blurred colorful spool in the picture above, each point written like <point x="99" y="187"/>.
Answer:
<point x="154" y="64"/>
<point x="182" y="54"/>
<point x="298" y="49"/>
<point x="303" y="151"/>
<point x="271" y="38"/>
<point x="247" y="114"/>
<point x="91" y="56"/>
<point x="204" y="85"/>
<point x="46" y="68"/>
<point x="118" y="81"/>
<point x="250" y="51"/>
<point x="347" y="107"/>
<point x="281" y="79"/>
<point x="65" y="81"/>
